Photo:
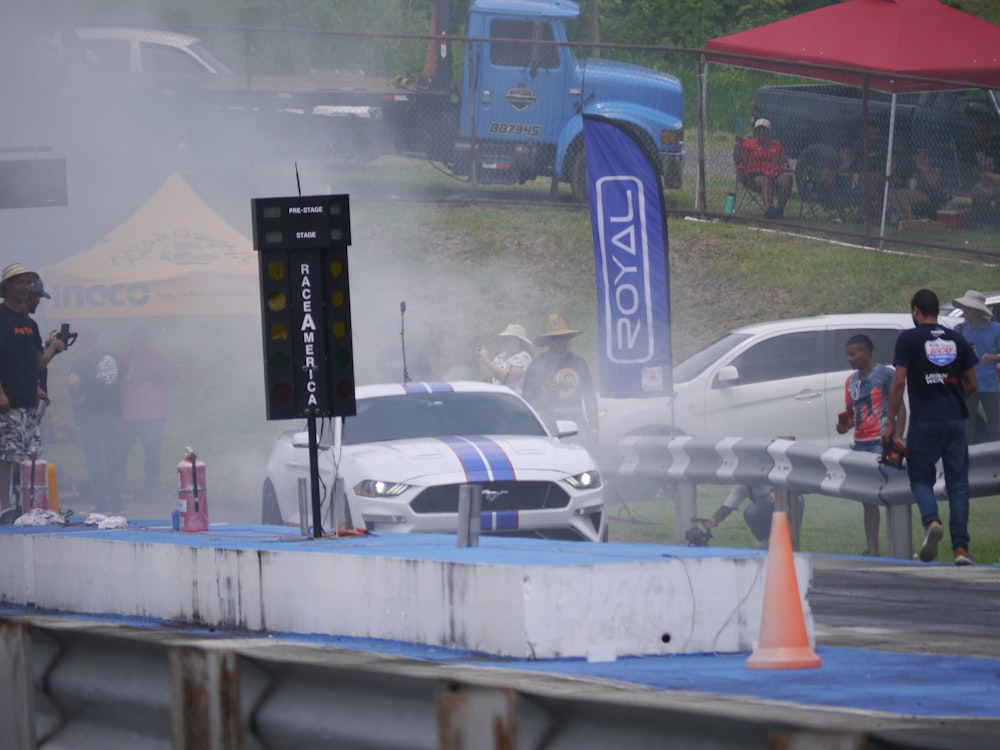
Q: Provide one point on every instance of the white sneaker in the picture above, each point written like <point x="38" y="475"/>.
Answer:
<point x="933" y="534"/>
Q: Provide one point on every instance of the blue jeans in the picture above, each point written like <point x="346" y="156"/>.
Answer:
<point x="758" y="514"/>
<point x="926" y="442"/>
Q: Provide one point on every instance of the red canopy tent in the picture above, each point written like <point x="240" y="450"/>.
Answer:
<point x="875" y="42"/>
<point x="885" y="45"/>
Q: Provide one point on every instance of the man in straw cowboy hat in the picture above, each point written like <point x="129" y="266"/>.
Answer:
<point x="558" y="383"/>
<point x="983" y="335"/>
<point x="509" y="365"/>
<point x="21" y="361"/>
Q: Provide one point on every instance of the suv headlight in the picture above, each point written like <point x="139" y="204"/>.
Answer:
<point x="378" y="488"/>
<point x="586" y="480"/>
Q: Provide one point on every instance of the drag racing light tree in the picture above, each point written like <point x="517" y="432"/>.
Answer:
<point x="277" y="323"/>
<point x="305" y="305"/>
<point x="340" y="339"/>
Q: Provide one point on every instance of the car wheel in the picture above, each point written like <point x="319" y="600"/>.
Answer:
<point x="270" y="513"/>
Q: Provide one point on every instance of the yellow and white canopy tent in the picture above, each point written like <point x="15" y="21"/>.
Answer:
<point x="173" y="257"/>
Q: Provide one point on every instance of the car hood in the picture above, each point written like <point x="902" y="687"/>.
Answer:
<point x="465" y="458"/>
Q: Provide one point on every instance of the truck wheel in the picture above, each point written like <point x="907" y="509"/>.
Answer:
<point x="577" y="172"/>
<point x="270" y="513"/>
<point x="576" y="161"/>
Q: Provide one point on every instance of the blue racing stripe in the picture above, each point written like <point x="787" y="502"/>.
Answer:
<point x="470" y="458"/>
<point x="504" y="520"/>
<point x="428" y="387"/>
<point x="499" y="463"/>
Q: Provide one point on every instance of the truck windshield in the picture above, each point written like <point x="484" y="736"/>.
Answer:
<point x="696" y="364"/>
<point x="522" y="54"/>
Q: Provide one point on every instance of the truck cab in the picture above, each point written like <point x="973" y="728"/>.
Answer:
<point x="529" y="94"/>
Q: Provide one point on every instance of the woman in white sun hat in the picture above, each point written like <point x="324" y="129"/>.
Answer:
<point x="509" y="365"/>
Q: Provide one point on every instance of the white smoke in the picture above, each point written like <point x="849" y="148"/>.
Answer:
<point x="400" y="253"/>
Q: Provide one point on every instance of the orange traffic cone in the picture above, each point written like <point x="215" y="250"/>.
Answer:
<point x="783" y="642"/>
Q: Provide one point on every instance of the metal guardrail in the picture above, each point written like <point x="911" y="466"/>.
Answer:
<point x="799" y="466"/>
<point x="97" y="687"/>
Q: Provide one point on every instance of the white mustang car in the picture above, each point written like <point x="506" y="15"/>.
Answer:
<point x="404" y="456"/>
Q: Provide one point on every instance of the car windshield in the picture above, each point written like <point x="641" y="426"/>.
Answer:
<point x="697" y="363"/>
<point x="438" y="414"/>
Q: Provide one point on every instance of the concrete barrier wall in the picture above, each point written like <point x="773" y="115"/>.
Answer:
<point x="509" y="597"/>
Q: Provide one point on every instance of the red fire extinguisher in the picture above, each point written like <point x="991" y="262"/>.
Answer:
<point x="193" y="510"/>
<point x="34" y="484"/>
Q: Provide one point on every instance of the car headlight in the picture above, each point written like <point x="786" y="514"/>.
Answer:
<point x="586" y="480"/>
<point x="378" y="488"/>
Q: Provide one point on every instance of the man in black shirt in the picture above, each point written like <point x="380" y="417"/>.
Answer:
<point x="937" y="368"/>
<point x="20" y="364"/>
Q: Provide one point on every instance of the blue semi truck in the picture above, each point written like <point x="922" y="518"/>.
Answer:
<point x="517" y="113"/>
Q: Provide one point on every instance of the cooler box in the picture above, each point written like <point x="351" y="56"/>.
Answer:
<point x="954" y="218"/>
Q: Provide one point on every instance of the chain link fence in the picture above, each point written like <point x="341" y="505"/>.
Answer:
<point x="428" y="117"/>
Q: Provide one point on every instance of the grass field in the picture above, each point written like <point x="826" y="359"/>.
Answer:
<point x="466" y="271"/>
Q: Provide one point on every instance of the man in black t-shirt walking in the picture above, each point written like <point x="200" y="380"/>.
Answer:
<point x="936" y="366"/>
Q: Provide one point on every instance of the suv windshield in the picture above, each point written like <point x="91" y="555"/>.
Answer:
<point x="439" y="414"/>
<point x="696" y="364"/>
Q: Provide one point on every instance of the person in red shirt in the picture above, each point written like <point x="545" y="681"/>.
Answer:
<point x="763" y="167"/>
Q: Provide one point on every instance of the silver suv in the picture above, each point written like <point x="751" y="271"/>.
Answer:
<point x="781" y="378"/>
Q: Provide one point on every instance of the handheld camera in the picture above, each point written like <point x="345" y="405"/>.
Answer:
<point x="697" y="536"/>
<point x="65" y="335"/>
<point x="893" y="455"/>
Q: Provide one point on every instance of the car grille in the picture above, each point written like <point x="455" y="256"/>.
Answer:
<point x="510" y="496"/>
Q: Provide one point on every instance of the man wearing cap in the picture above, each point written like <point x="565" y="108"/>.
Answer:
<point x="558" y="383"/>
<point x="53" y="345"/>
<point x="21" y="355"/>
<point x="983" y="335"/>
<point x="763" y="168"/>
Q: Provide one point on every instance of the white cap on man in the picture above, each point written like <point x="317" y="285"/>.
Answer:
<point x="763" y="122"/>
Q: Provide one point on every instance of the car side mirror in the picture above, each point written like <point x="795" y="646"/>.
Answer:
<point x="566" y="428"/>
<point x="727" y="376"/>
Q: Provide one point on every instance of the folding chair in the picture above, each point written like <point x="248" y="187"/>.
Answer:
<point x="816" y="201"/>
<point x="745" y="197"/>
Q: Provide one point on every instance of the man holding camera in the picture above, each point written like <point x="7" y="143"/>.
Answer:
<point x="56" y="342"/>
<point x="757" y="514"/>
<point x="937" y="368"/>
<point x="22" y="357"/>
